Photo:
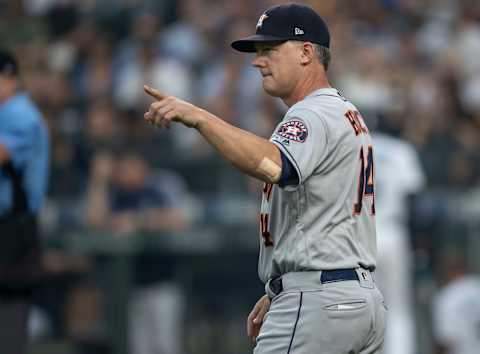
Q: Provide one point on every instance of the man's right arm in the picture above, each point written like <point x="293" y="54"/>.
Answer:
<point x="251" y="154"/>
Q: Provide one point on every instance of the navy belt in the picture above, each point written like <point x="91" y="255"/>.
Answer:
<point x="326" y="276"/>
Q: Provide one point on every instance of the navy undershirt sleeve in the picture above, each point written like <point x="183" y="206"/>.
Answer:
<point x="289" y="175"/>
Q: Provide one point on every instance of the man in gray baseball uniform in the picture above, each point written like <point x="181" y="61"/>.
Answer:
<point x="317" y="234"/>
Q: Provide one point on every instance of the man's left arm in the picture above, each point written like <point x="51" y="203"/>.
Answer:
<point x="251" y="154"/>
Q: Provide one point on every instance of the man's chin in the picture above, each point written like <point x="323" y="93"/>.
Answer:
<point x="270" y="90"/>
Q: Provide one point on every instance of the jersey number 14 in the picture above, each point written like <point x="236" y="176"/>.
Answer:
<point x="266" y="235"/>
<point x="365" y="182"/>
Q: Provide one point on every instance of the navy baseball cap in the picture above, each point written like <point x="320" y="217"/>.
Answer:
<point x="8" y="64"/>
<point x="282" y="23"/>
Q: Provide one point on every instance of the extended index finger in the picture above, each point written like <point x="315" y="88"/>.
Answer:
<point x="154" y="92"/>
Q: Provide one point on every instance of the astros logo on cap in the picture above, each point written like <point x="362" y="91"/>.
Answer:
<point x="260" y="21"/>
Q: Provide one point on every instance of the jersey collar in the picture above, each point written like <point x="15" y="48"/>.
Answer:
<point x="330" y="91"/>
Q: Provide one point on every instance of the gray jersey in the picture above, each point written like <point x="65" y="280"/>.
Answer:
<point x="327" y="221"/>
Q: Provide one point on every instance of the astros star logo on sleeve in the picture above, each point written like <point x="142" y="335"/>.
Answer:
<point x="294" y="130"/>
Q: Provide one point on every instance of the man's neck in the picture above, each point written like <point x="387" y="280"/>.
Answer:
<point x="305" y="87"/>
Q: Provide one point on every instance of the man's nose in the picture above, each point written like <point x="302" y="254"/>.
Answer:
<point x="258" y="62"/>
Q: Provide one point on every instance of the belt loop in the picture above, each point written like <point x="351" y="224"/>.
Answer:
<point x="268" y="290"/>
<point x="365" y="278"/>
<point x="273" y="287"/>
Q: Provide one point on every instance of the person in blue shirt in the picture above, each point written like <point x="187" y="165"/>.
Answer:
<point x="24" y="161"/>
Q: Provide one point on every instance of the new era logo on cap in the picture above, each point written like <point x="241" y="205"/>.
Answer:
<point x="281" y="23"/>
<point x="299" y="31"/>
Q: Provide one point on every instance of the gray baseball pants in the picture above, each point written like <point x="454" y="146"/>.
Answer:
<point x="308" y="317"/>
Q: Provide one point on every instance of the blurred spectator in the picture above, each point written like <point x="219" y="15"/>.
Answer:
<point x="126" y="197"/>
<point x="102" y="128"/>
<point x="367" y="83"/>
<point x="185" y="39"/>
<point x="456" y="307"/>
<point x="399" y="176"/>
<point x="93" y="72"/>
<point x="24" y="156"/>
<point x="230" y="86"/>
<point x="139" y="58"/>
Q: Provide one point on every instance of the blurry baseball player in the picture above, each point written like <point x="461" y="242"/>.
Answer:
<point x="399" y="176"/>
<point x="456" y="307"/>
<point x="317" y="221"/>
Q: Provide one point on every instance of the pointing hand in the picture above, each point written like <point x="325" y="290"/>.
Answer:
<point x="168" y="108"/>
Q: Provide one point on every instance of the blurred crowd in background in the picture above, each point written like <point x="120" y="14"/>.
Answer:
<point x="410" y="66"/>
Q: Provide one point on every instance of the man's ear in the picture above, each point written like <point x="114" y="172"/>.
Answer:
<point x="307" y="53"/>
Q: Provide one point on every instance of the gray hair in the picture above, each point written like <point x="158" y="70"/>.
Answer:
<point x="323" y="55"/>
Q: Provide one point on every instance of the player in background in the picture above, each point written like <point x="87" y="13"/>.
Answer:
<point x="456" y="307"/>
<point x="317" y="223"/>
<point x="399" y="175"/>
